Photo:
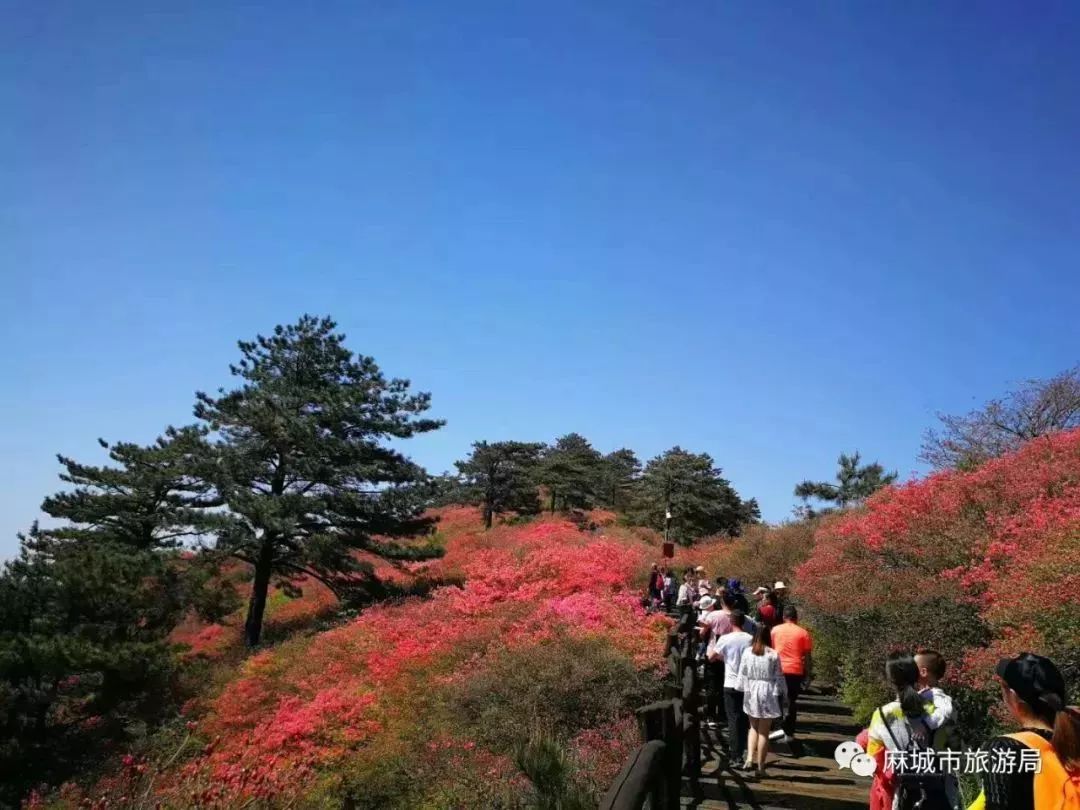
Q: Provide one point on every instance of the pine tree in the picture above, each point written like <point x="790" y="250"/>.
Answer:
<point x="571" y="471"/>
<point x="301" y="460"/>
<point x="86" y="608"/>
<point x="151" y="499"/>
<point x="84" y="657"/>
<point x="751" y="512"/>
<point x="449" y="489"/>
<point x="854" y="483"/>
<point x="500" y="476"/>
<point x="690" y="488"/>
<point x="619" y="472"/>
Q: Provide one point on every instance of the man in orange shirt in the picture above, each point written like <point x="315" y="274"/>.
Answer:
<point x="792" y="643"/>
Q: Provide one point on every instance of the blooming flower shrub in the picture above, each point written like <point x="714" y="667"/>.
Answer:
<point x="978" y="564"/>
<point x="372" y="709"/>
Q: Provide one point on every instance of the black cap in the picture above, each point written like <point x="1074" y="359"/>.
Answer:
<point x="1034" y="678"/>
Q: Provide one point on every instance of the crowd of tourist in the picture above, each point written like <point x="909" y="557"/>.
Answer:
<point x="757" y="660"/>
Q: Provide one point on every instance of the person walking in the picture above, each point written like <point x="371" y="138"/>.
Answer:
<point x="901" y="726"/>
<point x="793" y="644"/>
<point x="714" y="622"/>
<point x="1033" y="691"/>
<point x="686" y="592"/>
<point x="671" y="587"/>
<point x="780" y="589"/>
<point x="767" y="611"/>
<point x="764" y="695"/>
<point x="731" y="605"/>
<point x="656" y="579"/>
<point x="729" y="649"/>
<point x="734" y="587"/>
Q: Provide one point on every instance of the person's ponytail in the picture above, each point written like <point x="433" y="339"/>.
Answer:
<point x="910" y="703"/>
<point x="903" y="675"/>
<point x="1066" y="740"/>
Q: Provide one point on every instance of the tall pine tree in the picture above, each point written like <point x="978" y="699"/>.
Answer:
<point x="301" y="459"/>
<point x="501" y="476"/>
<point x="84" y="655"/>
<point x="151" y="498"/>
<point x="86" y="608"/>
<point x="619" y="473"/>
<point x="855" y="482"/>
<point x="571" y="470"/>
<point x="689" y="486"/>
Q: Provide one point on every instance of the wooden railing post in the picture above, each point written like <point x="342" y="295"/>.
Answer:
<point x="661" y="721"/>
<point x="671" y="727"/>
<point x="638" y="779"/>
<point x="691" y="726"/>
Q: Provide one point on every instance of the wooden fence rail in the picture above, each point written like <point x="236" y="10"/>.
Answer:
<point x="670" y="732"/>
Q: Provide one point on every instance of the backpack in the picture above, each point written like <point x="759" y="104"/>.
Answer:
<point x="1055" y="789"/>
<point x="919" y="788"/>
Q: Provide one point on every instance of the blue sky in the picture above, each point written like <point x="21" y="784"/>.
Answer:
<point x="768" y="231"/>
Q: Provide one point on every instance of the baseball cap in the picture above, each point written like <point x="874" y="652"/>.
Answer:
<point x="1035" y="678"/>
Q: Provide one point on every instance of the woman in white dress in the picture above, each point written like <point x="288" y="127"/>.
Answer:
<point x="764" y="695"/>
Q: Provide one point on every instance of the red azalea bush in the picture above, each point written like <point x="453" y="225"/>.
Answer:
<point x="353" y="711"/>
<point x="977" y="564"/>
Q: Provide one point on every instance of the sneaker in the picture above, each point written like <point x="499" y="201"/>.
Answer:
<point x="777" y="735"/>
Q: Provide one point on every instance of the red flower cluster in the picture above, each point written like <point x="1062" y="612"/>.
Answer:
<point x="308" y="705"/>
<point x="1004" y="538"/>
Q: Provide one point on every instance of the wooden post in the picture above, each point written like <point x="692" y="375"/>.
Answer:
<point x="640" y="778"/>
<point x="671" y="641"/>
<point x="660" y="721"/>
<point x="691" y="727"/>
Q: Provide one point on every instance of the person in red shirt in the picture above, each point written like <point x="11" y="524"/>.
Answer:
<point x="792" y="643"/>
<point x="767" y="609"/>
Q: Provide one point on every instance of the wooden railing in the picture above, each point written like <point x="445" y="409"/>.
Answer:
<point x="670" y="731"/>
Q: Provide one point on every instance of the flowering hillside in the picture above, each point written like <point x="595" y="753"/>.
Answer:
<point x="977" y="564"/>
<point x="426" y="702"/>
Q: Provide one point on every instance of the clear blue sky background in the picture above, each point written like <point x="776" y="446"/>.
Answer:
<point x="769" y="231"/>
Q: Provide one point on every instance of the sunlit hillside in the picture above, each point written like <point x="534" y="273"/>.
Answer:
<point x="427" y="701"/>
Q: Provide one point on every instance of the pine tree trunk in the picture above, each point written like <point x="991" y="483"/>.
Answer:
<point x="487" y="516"/>
<point x="259" y="588"/>
<point x="553" y="502"/>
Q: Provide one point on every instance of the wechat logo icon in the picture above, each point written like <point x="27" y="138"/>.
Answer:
<point x="851" y="755"/>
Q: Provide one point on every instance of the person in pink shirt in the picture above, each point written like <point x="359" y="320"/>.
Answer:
<point x="714" y="623"/>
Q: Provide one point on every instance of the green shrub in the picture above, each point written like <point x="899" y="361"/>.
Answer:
<point x="854" y="647"/>
<point x="552" y="773"/>
<point x="560" y="687"/>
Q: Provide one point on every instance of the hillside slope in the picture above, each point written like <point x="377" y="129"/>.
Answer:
<point x="424" y="702"/>
<point x="978" y="564"/>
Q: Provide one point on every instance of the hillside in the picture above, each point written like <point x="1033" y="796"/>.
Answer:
<point x="531" y="659"/>
<point x="977" y="565"/>
<point x="424" y="702"/>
